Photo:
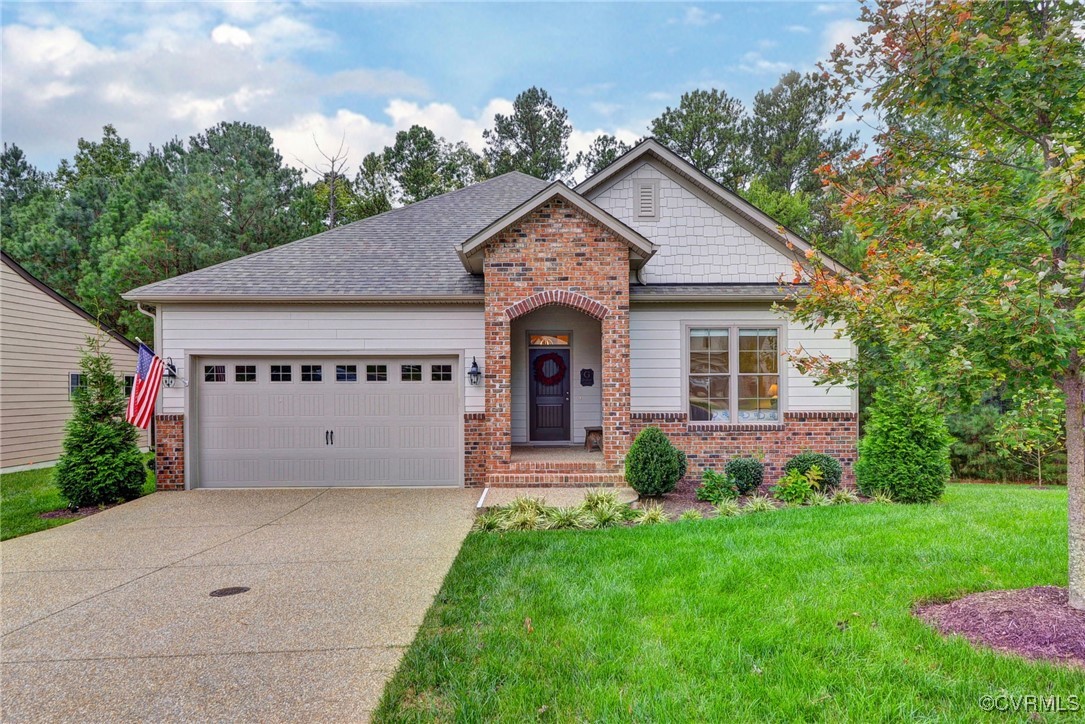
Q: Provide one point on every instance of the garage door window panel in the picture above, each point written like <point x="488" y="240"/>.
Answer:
<point x="441" y="373"/>
<point x="281" y="373"/>
<point x="411" y="373"/>
<point x="346" y="373"/>
<point x="244" y="373"/>
<point x="312" y="373"/>
<point x="376" y="373"/>
<point x="214" y="373"/>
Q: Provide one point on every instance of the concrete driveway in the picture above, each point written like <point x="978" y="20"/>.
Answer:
<point x="110" y="618"/>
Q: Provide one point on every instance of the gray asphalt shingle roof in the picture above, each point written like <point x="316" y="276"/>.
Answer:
<point x="408" y="251"/>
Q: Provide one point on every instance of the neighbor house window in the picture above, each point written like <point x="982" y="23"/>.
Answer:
<point x="411" y="373"/>
<point x="75" y="383"/>
<point x="312" y="373"/>
<point x="734" y="375"/>
<point x="440" y="373"/>
<point x="376" y="373"/>
<point x="346" y="373"/>
<point x="129" y="384"/>
<point x="280" y="373"/>
<point x="214" y="373"/>
<point x="244" y="373"/>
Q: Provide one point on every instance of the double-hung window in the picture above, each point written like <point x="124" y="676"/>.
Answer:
<point x="734" y="374"/>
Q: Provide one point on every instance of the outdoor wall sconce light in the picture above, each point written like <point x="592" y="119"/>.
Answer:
<point x="474" y="374"/>
<point x="169" y="372"/>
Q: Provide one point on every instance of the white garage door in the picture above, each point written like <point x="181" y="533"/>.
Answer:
<point x="266" y="422"/>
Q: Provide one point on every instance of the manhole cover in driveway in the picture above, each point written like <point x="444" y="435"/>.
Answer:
<point x="231" y="591"/>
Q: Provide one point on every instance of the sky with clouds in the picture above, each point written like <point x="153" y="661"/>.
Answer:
<point x="331" y="70"/>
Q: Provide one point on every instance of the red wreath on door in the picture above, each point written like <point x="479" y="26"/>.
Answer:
<point x="540" y="365"/>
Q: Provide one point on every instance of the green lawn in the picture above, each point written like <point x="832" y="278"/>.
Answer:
<point x="24" y="495"/>
<point x="800" y="614"/>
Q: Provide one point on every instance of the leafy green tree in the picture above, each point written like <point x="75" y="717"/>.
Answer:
<point x="976" y="246"/>
<point x="604" y="150"/>
<point x="708" y="129"/>
<point x="533" y="140"/>
<point x="793" y="210"/>
<point x="788" y="133"/>
<point x="424" y="165"/>
<point x="19" y="179"/>
<point x="1035" y="429"/>
<point x="372" y="187"/>
<point x="109" y="160"/>
<point x="101" y="462"/>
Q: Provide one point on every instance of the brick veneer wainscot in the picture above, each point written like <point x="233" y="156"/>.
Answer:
<point x="556" y="255"/>
<point x="169" y="452"/>
<point x="713" y="445"/>
<point x="475" y="450"/>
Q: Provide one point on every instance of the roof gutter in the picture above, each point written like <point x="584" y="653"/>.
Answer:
<point x="309" y="299"/>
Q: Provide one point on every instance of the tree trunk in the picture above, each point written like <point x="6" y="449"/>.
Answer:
<point x="1074" y="388"/>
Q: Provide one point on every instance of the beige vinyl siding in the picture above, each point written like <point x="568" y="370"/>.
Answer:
<point x="657" y="369"/>
<point x="40" y="339"/>
<point x="235" y="329"/>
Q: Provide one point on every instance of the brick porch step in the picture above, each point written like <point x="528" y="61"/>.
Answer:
<point x="553" y="479"/>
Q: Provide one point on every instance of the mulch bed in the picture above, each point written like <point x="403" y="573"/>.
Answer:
<point x="78" y="512"/>
<point x="1035" y="623"/>
<point x="684" y="497"/>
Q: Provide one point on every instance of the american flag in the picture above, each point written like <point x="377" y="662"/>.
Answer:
<point x="145" y="388"/>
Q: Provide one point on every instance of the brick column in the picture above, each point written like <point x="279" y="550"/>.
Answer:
<point x="169" y="452"/>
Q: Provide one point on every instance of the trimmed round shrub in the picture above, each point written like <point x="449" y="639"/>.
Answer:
<point x="654" y="465"/>
<point x="905" y="450"/>
<point x="746" y="473"/>
<point x="831" y="469"/>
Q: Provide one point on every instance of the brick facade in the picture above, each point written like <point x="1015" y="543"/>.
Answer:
<point x="475" y="450"/>
<point x="712" y="445"/>
<point x="169" y="452"/>
<point x="556" y="255"/>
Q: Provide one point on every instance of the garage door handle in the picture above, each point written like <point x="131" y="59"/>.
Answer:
<point x="333" y="437"/>
<point x="327" y="437"/>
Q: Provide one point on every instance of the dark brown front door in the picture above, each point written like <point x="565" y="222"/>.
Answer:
<point x="548" y="372"/>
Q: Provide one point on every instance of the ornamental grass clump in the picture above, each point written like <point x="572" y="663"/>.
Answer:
<point x="691" y="514"/>
<point x="606" y="516"/>
<point x="844" y="496"/>
<point x="652" y="514"/>
<point x="759" y="504"/>
<point x="817" y="499"/>
<point x="654" y="465"/>
<point x="489" y="521"/>
<point x="573" y="518"/>
<point x="728" y="509"/>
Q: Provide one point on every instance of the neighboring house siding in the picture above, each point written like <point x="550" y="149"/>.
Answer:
<point x="587" y="409"/>
<point x="658" y="368"/>
<point x="304" y="329"/>
<point x="698" y="242"/>
<point x="40" y="341"/>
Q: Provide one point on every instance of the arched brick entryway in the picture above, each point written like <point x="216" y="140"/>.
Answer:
<point x="558" y="298"/>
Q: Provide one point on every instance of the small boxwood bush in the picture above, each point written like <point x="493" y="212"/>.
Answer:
<point x="831" y="469"/>
<point x="654" y="465"/>
<point x="746" y="473"/>
<point x="905" y="450"/>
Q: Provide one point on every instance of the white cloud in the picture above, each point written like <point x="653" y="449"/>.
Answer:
<point x="802" y="29"/>
<point x="754" y="62"/>
<point x="840" y="32"/>
<point x="834" y="8"/>
<point x="227" y="34"/>
<point x="695" y="16"/>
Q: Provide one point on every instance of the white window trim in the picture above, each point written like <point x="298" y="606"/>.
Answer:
<point x="733" y="328"/>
